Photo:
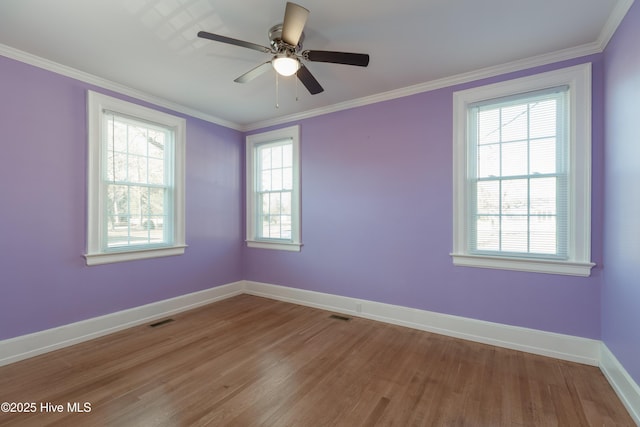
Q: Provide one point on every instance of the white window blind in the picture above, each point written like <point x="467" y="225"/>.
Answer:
<point x="518" y="173"/>
<point x="522" y="174"/>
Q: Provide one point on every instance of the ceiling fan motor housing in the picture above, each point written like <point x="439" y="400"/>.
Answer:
<point x="275" y="35"/>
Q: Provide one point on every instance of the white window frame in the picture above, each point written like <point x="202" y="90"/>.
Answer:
<point x="97" y="250"/>
<point x="578" y="79"/>
<point x="252" y="142"/>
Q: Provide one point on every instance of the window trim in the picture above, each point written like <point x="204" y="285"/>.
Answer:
<point x="578" y="78"/>
<point x="252" y="141"/>
<point x="96" y="253"/>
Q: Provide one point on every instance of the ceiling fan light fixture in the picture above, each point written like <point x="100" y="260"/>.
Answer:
<point x="285" y="65"/>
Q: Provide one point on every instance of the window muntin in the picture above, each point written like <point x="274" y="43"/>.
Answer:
<point x="135" y="180"/>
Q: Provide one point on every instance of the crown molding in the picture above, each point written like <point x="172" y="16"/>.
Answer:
<point x="617" y="15"/>
<point x="103" y="83"/>
<point x="598" y="46"/>
<point x="483" y="73"/>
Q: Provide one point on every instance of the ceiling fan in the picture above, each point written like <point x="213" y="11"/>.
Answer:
<point x="286" y="48"/>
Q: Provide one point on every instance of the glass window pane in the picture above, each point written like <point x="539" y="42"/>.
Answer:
<point x="542" y="156"/>
<point x="543" y="235"/>
<point x="514" y="197"/>
<point x="489" y="160"/>
<point x="110" y="169"/>
<point x="118" y="210"/>
<point x="118" y="236"/>
<point x="265" y="158"/>
<point x="264" y="204"/>
<point x="488" y="197"/>
<point x="118" y="131"/>
<point x="489" y="126"/>
<point x="514" y="158"/>
<point x="488" y="233"/>
<point x="117" y="203"/>
<point x="285" y="203"/>
<point x="137" y="140"/>
<point x="135" y="196"/>
<point x="118" y="164"/>
<point x="138" y="235"/>
<point x="156" y="171"/>
<point x="542" y="119"/>
<point x="137" y="169"/>
<point x="156" y="201"/>
<point x="276" y="157"/>
<point x="276" y="179"/>
<point x="287" y="155"/>
<point x="285" y="227"/>
<point x="287" y="178"/>
<point x="543" y="196"/>
<point x="274" y="204"/>
<point x="514" y="233"/>
<point x="275" y="216"/>
<point x="156" y="143"/>
<point x="514" y="123"/>
<point x="265" y="181"/>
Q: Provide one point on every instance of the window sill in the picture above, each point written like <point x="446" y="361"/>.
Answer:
<point x="113" y="257"/>
<point x="282" y="246"/>
<point x="569" y="268"/>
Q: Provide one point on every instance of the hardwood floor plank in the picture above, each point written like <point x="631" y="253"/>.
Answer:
<point x="249" y="361"/>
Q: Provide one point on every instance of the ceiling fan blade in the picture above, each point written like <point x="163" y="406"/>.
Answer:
<point x="359" y="59"/>
<point x="253" y="73"/>
<point x="295" y="16"/>
<point x="308" y="80"/>
<point x="236" y="42"/>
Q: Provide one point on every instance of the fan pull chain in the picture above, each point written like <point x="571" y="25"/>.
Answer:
<point x="277" y="84"/>
<point x="296" y="79"/>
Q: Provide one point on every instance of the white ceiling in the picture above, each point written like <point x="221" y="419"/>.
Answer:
<point x="151" y="45"/>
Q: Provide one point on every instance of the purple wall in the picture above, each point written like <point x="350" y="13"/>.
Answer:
<point x="377" y="220"/>
<point x="376" y="212"/>
<point x="44" y="282"/>
<point x="621" y="290"/>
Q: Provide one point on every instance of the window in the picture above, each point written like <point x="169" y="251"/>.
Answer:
<point x="135" y="182"/>
<point x="273" y="190"/>
<point x="522" y="174"/>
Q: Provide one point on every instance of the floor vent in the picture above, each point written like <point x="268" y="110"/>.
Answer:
<point x="160" y="323"/>
<point x="337" y="317"/>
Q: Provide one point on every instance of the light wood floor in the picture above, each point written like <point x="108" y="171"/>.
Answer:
<point x="251" y="361"/>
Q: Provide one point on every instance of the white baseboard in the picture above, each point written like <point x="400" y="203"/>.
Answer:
<point x="565" y="347"/>
<point x="25" y="346"/>
<point x="625" y="387"/>
<point x="559" y="346"/>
